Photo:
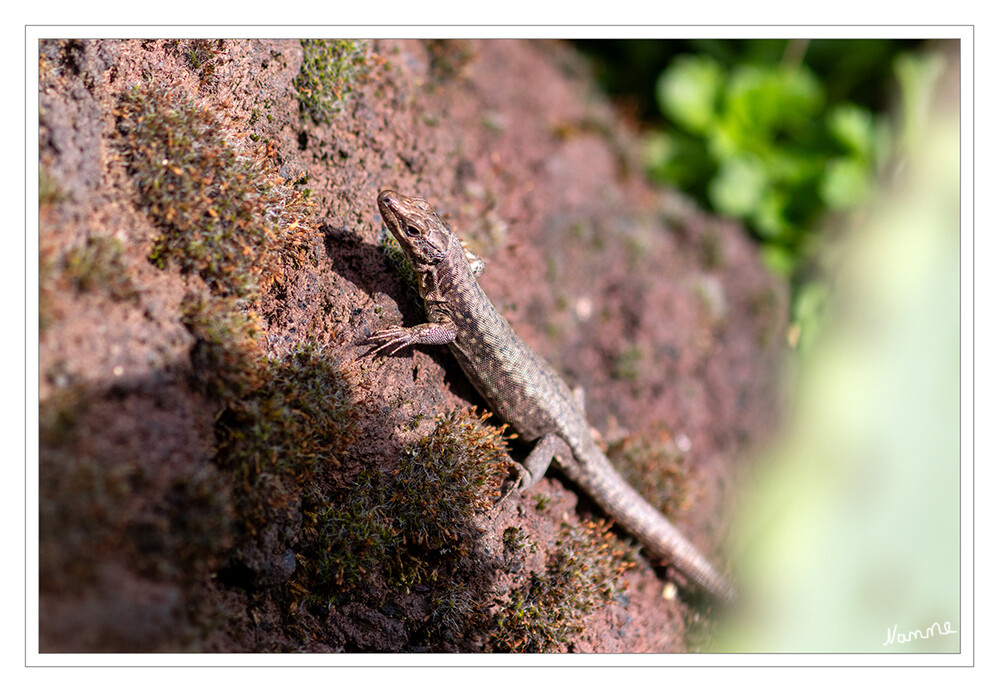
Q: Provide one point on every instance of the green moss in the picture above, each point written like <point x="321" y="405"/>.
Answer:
<point x="223" y="210"/>
<point x="583" y="574"/>
<point x="300" y="414"/>
<point x="514" y="540"/>
<point x="451" y="610"/>
<point x="330" y="71"/>
<point x="516" y="545"/>
<point x="628" y="364"/>
<point x="201" y="51"/>
<point x="414" y="525"/>
<point x="201" y="56"/>
<point x="450" y="57"/>
<point x="49" y="189"/>
<point x="346" y="543"/>
<point x="448" y="477"/>
<point x="59" y="414"/>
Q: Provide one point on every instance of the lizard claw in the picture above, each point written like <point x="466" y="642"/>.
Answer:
<point x="522" y="483"/>
<point x="388" y="340"/>
<point x="525" y="481"/>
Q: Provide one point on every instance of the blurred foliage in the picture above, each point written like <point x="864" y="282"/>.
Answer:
<point x="851" y="534"/>
<point x="786" y="136"/>
<point x="843" y="158"/>
<point x="850" y="69"/>
<point x="762" y="144"/>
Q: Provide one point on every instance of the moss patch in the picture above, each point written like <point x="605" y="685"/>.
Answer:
<point x="203" y="56"/>
<point x="301" y="415"/>
<point x="223" y="210"/>
<point x="330" y="70"/>
<point x="446" y="478"/>
<point x="583" y="573"/>
<point x="656" y="467"/>
<point x="99" y="265"/>
<point x="412" y="526"/>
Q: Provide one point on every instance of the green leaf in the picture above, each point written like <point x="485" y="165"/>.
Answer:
<point x="792" y="167"/>
<point x="688" y="91"/>
<point x="777" y="259"/>
<point x="676" y="159"/>
<point x="775" y="101"/>
<point x="739" y="186"/>
<point x="853" y="127"/>
<point x="846" y="183"/>
<point x="770" y="215"/>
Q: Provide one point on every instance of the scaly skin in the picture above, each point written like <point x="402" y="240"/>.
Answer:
<point x="518" y="384"/>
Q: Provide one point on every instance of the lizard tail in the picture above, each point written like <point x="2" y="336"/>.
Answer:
<point x="650" y="527"/>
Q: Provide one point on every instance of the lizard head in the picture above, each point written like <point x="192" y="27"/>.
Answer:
<point x="424" y="235"/>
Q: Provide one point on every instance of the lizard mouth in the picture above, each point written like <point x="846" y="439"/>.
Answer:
<point x="388" y="206"/>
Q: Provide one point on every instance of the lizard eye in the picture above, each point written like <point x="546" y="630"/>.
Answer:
<point x="412" y="232"/>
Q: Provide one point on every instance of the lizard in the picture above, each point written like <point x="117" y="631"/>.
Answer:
<point x="520" y="386"/>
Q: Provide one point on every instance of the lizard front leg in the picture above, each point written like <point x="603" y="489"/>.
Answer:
<point x="393" y="339"/>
